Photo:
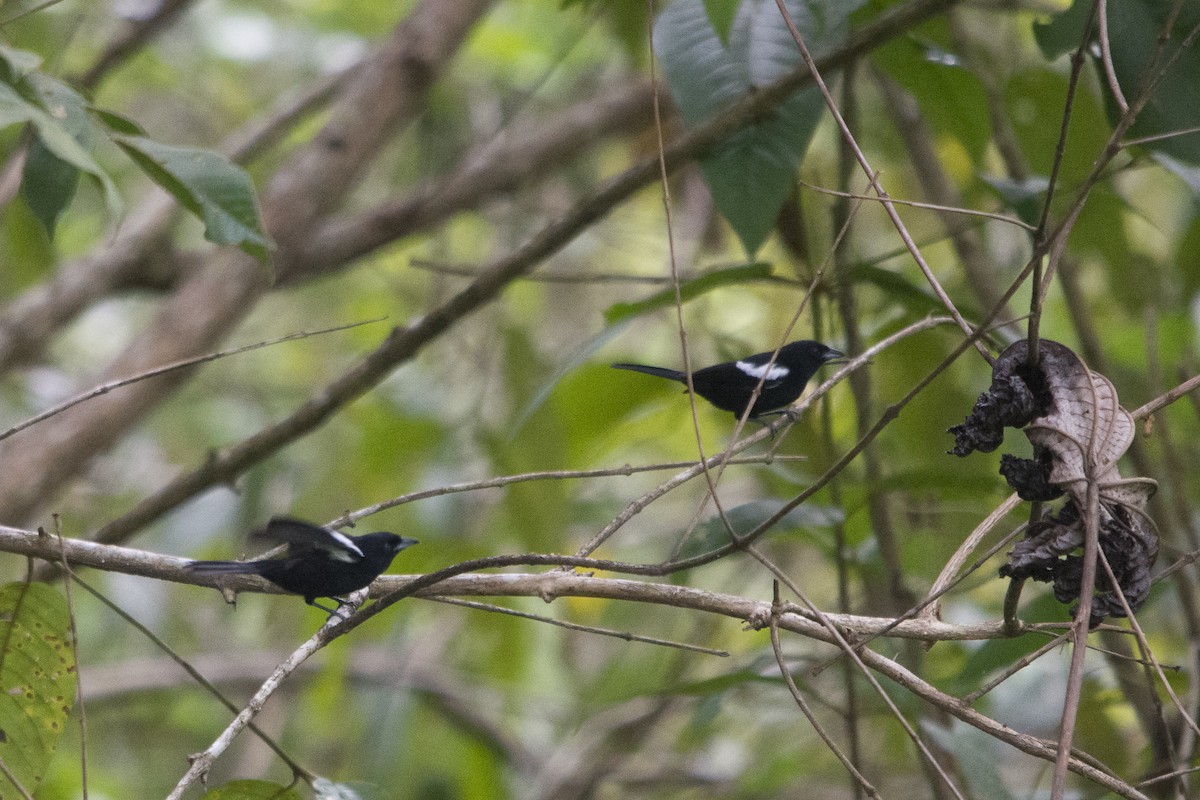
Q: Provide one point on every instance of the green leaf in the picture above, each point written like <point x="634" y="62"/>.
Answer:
<point x="950" y="96"/>
<point x="16" y="63"/>
<point x="1061" y="35"/>
<point x="57" y="139"/>
<point x="1173" y="107"/>
<point x="577" y="359"/>
<point x="37" y="680"/>
<point x="1024" y="197"/>
<point x="750" y="172"/>
<point x="251" y="790"/>
<point x="210" y="186"/>
<point x="48" y="182"/>
<point x="898" y="288"/>
<point x="117" y="123"/>
<point x="688" y="290"/>
<point x="720" y="16"/>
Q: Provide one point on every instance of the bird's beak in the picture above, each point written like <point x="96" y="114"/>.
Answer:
<point x="836" y="357"/>
<point x="405" y="542"/>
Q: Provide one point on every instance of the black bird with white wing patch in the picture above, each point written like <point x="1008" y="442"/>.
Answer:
<point x="730" y="386"/>
<point x="320" y="562"/>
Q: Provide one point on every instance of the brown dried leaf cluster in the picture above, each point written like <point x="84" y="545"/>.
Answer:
<point x="1072" y="417"/>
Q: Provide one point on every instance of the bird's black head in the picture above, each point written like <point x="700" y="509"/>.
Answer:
<point x="806" y="351"/>
<point x="382" y="544"/>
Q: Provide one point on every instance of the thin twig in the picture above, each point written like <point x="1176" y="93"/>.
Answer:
<point x="1014" y="668"/>
<point x="1079" y="633"/>
<point x="637" y="506"/>
<point x="872" y="176"/>
<point x="966" y="212"/>
<point x="7" y="773"/>
<point x="573" y="626"/>
<point x="1158" y="137"/>
<point x="1110" y="72"/>
<point x="202" y="762"/>
<point x="954" y="564"/>
<point x="83" y="738"/>
<point x="26" y="12"/>
<point x="675" y="284"/>
<point x="175" y="366"/>
<point x="790" y="681"/>
<point x="195" y="674"/>
<point x="627" y="470"/>
<point x="1144" y="645"/>
<point x="547" y="277"/>
<point x="850" y="650"/>
<point x="1190" y="385"/>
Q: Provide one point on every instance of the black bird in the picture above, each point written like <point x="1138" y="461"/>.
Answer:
<point x="320" y="562"/>
<point x="729" y="386"/>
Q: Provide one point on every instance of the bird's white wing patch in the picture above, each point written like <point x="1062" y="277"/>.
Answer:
<point x="760" y="371"/>
<point x="347" y="551"/>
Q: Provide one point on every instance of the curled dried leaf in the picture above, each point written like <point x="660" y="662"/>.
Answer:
<point x="1051" y="552"/>
<point x="1018" y="394"/>
<point x="1030" y="477"/>
<point x="1072" y="417"/>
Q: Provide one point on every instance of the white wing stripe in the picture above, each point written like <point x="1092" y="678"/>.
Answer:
<point x="348" y="544"/>
<point x="776" y="371"/>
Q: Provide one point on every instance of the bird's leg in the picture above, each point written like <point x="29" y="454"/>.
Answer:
<point x="350" y="604"/>
<point x="773" y="425"/>
<point x="312" y="601"/>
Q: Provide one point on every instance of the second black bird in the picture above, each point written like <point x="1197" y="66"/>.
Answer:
<point x="730" y="386"/>
<point x="320" y="562"/>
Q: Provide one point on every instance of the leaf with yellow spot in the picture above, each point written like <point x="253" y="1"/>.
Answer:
<point x="37" y="681"/>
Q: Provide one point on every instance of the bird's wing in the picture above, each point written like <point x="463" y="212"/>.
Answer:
<point x="300" y="536"/>
<point x="755" y="367"/>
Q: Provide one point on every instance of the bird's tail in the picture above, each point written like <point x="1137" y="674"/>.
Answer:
<point x="224" y="567"/>
<point x="661" y="372"/>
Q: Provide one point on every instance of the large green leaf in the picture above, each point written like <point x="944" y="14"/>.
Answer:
<point x="37" y="680"/>
<point x="16" y="64"/>
<point x="210" y="186"/>
<point x="898" y="288"/>
<point x="720" y="14"/>
<point x="751" y="171"/>
<point x="1134" y="29"/>
<point x="53" y="134"/>
<point x="49" y="182"/>
<point x="951" y="97"/>
<point x="688" y="290"/>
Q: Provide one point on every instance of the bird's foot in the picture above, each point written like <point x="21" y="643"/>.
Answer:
<point x="345" y="607"/>
<point x="789" y="414"/>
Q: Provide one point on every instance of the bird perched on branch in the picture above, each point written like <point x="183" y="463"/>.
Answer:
<point x="730" y="386"/>
<point x="320" y="562"/>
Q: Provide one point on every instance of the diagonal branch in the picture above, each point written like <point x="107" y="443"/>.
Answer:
<point x="385" y="93"/>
